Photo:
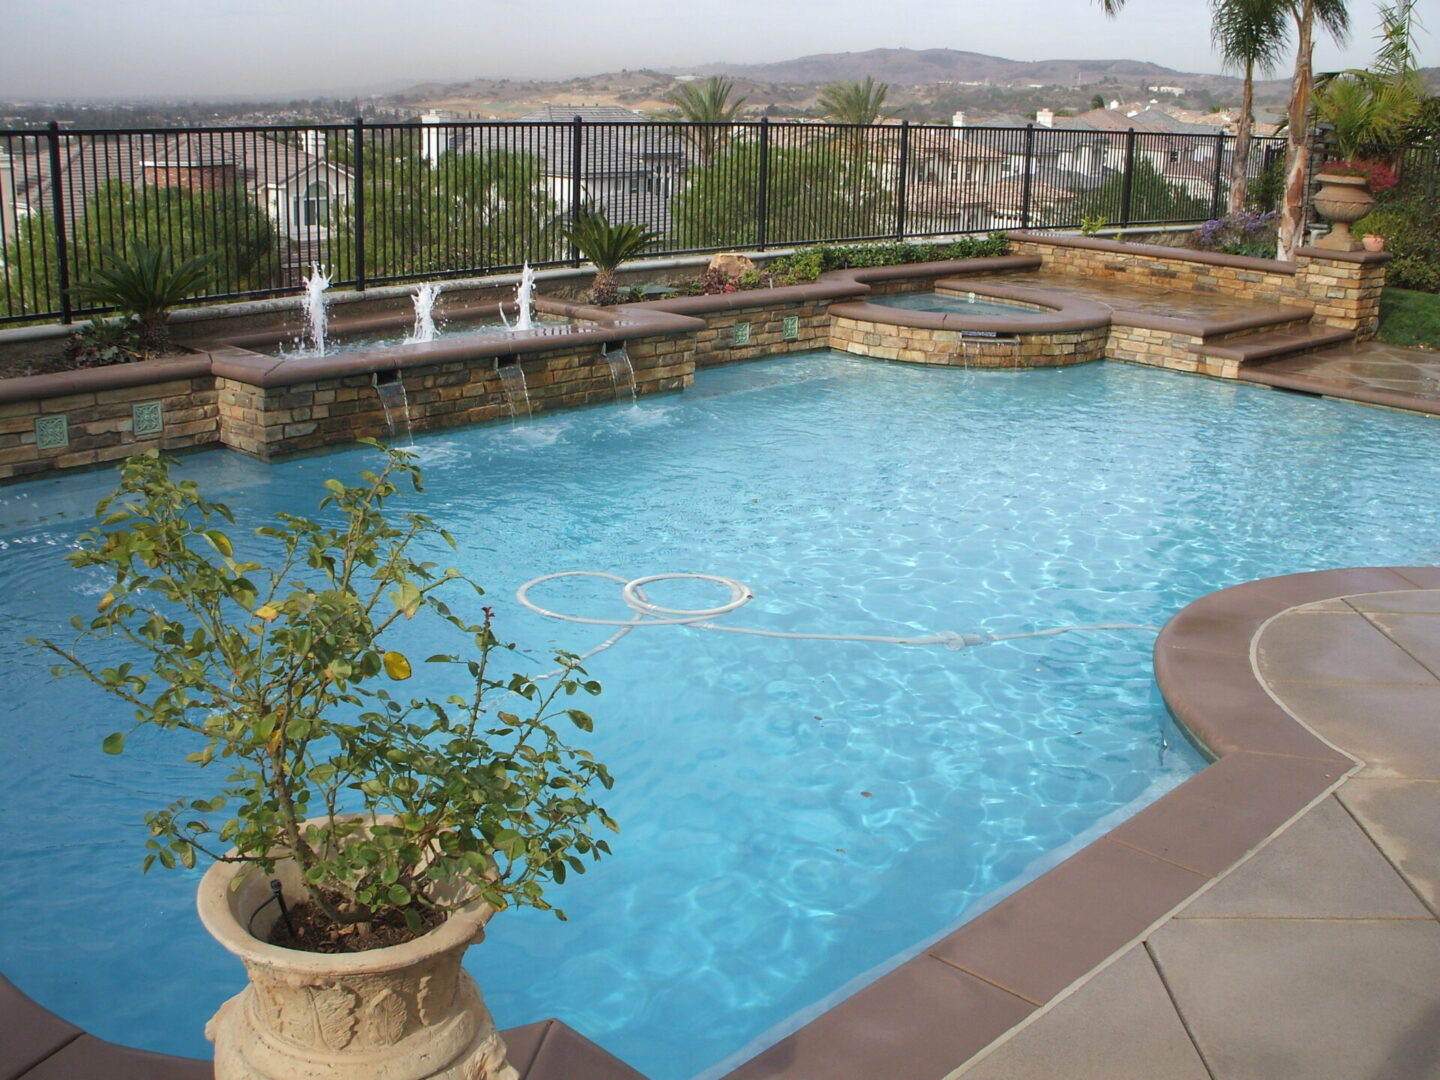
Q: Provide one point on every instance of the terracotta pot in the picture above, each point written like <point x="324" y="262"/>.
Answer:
<point x="408" y="1012"/>
<point x="1373" y="242"/>
<point x="1342" y="200"/>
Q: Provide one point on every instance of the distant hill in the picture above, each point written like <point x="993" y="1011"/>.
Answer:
<point x="915" y="67"/>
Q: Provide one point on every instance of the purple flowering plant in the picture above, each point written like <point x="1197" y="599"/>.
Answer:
<point x="1244" y="233"/>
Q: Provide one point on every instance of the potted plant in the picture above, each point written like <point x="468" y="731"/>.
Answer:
<point x="380" y="829"/>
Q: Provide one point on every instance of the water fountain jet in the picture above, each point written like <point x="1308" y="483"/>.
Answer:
<point x="424" y="301"/>
<point x="313" y="303"/>
<point x="525" y="300"/>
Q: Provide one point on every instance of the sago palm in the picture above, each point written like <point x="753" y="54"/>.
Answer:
<point x="145" y="283"/>
<point x="606" y="245"/>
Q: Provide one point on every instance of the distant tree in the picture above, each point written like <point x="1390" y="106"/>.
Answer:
<point x="854" y="102"/>
<point x="224" y="226"/>
<point x="812" y="193"/>
<point x="1097" y="102"/>
<point x="1152" y="198"/>
<point x="468" y="211"/>
<point x="708" y="104"/>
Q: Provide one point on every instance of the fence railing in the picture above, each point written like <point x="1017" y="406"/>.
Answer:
<point x="378" y="203"/>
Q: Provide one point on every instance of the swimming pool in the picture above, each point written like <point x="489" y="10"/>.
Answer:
<point x="794" y="813"/>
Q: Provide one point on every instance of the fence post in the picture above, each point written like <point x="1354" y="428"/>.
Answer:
<point x="902" y="182"/>
<point x="1219" y="168"/>
<point x="359" y="159"/>
<point x="57" y="209"/>
<point x="1127" y="184"/>
<point x="577" y="148"/>
<point x="762" y="201"/>
<point x="1025" y="182"/>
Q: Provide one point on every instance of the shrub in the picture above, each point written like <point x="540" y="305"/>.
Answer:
<point x="1409" y="219"/>
<point x="1244" y="233"/>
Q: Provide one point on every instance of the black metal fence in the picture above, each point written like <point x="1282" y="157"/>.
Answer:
<point x="378" y="203"/>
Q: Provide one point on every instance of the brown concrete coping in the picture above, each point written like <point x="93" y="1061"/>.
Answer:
<point x="1345" y="256"/>
<point x="934" y="1012"/>
<point x="100" y="379"/>
<point x="1264" y="315"/>
<point x="837" y="284"/>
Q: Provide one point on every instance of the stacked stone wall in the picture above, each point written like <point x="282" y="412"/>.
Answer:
<point x="95" y="426"/>
<point x="918" y="345"/>
<point x="1166" y="269"/>
<point x="762" y="332"/>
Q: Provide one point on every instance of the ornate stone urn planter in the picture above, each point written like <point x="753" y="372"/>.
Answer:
<point x="1342" y="200"/>
<point x="407" y="1012"/>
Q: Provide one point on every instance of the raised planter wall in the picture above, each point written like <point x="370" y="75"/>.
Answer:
<point x="271" y="408"/>
<point x="1342" y="287"/>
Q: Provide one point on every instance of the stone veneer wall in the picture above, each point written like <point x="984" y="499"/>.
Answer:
<point x="98" y="424"/>
<point x="1343" y="287"/>
<point x="918" y="345"/>
<point x="762" y="332"/>
<point x="1164" y="268"/>
<point x="270" y="422"/>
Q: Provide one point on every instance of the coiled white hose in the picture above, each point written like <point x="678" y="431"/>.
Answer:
<point x="649" y="613"/>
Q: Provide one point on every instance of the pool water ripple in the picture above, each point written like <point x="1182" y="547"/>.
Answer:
<point x="794" y="813"/>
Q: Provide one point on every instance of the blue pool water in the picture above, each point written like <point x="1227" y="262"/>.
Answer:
<point x="969" y="304"/>
<point x="795" y="814"/>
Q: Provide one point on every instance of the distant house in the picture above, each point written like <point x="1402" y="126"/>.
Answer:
<point x="298" y="188"/>
<point x="627" y="166"/>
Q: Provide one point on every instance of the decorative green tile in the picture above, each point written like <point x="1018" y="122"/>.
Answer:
<point x="792" y="327"/>
<point x="741" y="334"/>
<point x="52" y="432"/>
<point x="147" y="418"/>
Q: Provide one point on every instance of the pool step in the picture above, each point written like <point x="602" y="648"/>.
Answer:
<point x="1270" y="344"/>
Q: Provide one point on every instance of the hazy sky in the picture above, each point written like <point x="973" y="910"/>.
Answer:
<point x="182" y="48"/>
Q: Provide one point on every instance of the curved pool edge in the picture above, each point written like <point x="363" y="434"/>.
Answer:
<point x="933" y="1014"/>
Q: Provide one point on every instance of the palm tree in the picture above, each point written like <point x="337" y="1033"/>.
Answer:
<point x="606" y="245"/>
<point x="854" y="102"/>
<point x="1335" y="19"/>
<point x="707" y="104"/>
<point x="1251" y="35"/>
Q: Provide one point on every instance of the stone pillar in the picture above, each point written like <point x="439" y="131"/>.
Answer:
<point x="1344" y="286"/>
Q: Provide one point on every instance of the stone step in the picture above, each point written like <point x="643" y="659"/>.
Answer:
<point x="1270" y="343"/>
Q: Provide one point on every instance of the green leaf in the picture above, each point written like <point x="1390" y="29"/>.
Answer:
<point x="580" y="719"/>
<point x="114" y="743"/>
<point x="398" y="895"/>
